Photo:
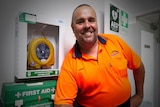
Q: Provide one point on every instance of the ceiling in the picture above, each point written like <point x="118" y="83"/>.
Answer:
<point x="147" y="11"/>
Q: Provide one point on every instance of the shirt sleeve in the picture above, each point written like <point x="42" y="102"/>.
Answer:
<point x="66" y="88"/>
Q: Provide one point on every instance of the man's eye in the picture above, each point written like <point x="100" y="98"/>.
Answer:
<point x="79" y="22"/>
<point x="91" y="20"/>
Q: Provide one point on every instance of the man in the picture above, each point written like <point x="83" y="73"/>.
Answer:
<point x="94" y="72"/>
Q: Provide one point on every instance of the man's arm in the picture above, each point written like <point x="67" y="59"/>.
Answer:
<point x="139" y="75"/>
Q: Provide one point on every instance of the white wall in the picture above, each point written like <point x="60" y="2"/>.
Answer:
<point x="58" y="9"/>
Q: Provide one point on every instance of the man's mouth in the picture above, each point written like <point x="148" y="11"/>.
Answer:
<point x="87" y="33"/>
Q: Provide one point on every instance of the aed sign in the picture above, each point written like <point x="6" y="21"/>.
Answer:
<point x="114" y="18"/>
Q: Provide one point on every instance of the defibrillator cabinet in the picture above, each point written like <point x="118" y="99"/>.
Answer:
<point x="39" y="47"/>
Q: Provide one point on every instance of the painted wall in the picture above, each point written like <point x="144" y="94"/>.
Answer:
<point x="58" y="9"/>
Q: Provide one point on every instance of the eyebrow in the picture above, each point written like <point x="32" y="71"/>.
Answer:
<point x="82" y="19"/>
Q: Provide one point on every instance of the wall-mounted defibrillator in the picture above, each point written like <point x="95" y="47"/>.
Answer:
<point x="40" y="53"/>
<point x="39" y="46"/>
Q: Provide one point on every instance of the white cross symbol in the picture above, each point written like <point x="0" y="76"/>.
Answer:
<point x="124" y="19"/>
<point x="53" y="90"/>
<point x="18" y="94"/>
<point x="29" y="74"/>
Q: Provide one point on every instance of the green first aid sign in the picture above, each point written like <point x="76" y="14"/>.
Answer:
<point x="114" y="18"/>
<point x="124" y="19"/>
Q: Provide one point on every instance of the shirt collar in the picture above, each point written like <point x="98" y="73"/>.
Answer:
<point x="77" y="51"/>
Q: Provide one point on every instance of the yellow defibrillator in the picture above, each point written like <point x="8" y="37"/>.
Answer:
<point x="40" y="53"/>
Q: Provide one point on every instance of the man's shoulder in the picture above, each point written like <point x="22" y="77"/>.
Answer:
<point x="109" y="36"/>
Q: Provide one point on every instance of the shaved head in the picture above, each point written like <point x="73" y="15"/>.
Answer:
<point x="78" y="8"/>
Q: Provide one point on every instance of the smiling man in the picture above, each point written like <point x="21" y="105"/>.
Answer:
<point x="94" y="72"/>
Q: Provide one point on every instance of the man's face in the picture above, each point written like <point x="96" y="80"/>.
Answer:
<point x="84" y="25"/>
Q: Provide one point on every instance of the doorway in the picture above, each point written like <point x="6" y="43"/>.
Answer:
<point x="147" y="53"/>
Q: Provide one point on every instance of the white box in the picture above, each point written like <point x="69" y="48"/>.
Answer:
<point x="39" y="49"/>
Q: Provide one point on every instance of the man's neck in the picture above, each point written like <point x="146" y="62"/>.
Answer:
<point x="91" y="49"/>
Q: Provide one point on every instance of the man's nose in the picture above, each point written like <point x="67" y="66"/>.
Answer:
<point x="87" y="24"/>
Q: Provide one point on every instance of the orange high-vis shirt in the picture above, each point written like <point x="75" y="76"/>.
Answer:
<point x="97" y="82"/>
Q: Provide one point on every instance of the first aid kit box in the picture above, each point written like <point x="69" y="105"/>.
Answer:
<point x="37" y="94"/>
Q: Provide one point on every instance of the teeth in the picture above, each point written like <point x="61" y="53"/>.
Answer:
<point x="88" y="33"/>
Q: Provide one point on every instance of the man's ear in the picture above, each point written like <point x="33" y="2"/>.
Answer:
<point x="72" y="28"/>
